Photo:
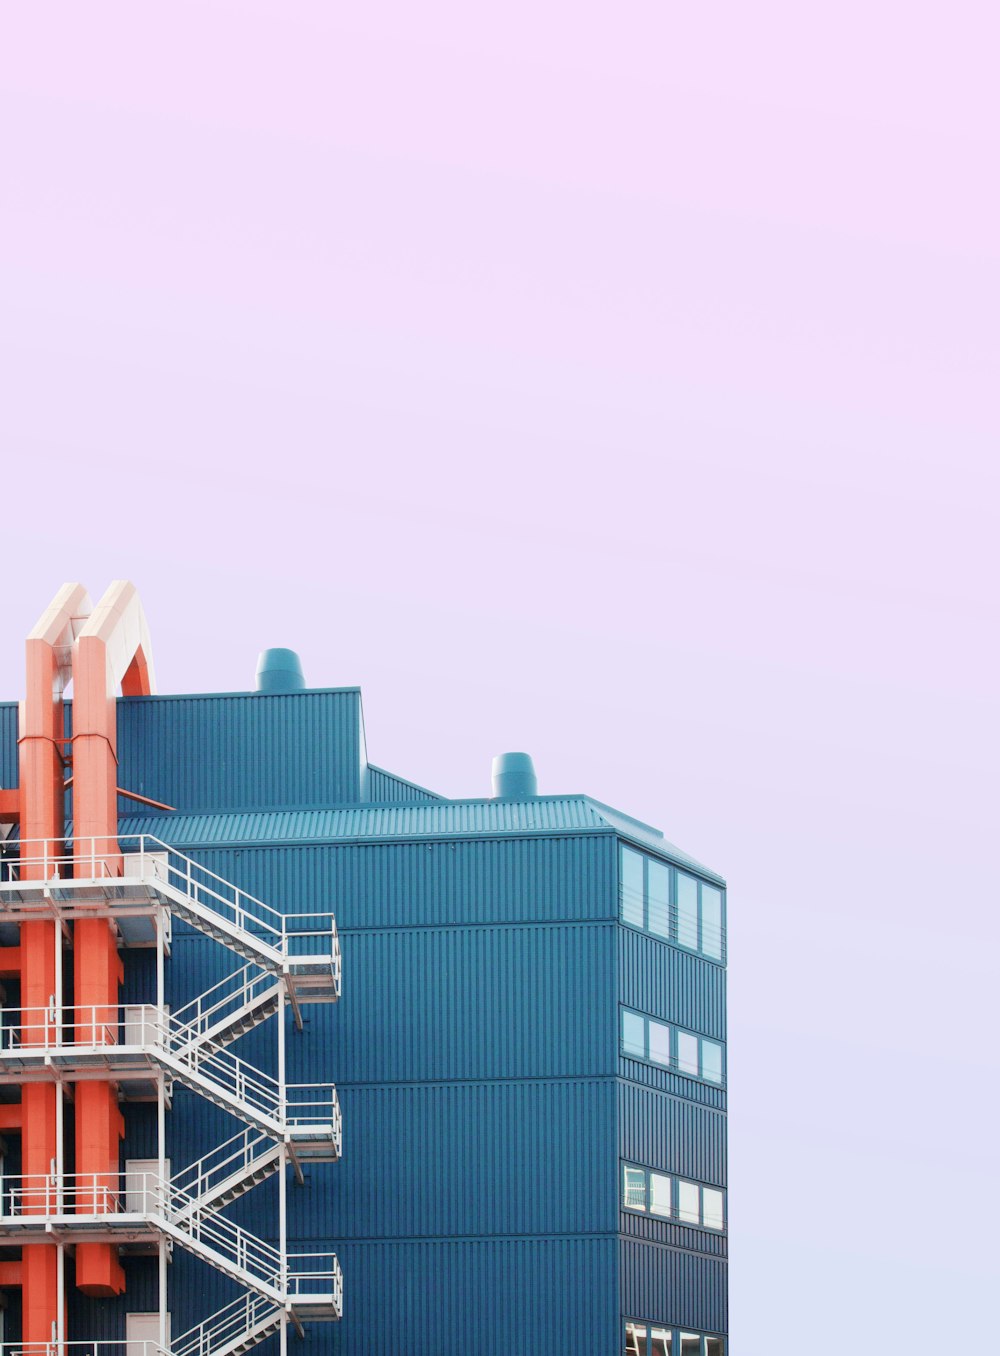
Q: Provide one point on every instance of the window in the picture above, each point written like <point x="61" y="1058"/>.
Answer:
<point x="635" y="1339"/>
<point x="687" y="911"/>
<point x="659" y="1195"/>
<point x="645" y="1339"/>
<point x="659" y="1043"/>
<point x="658" y="898"/>
<point x="635" y="1188"/>
<point x="688" y="1203"/>
<point x="634" y="1035"/>
<point x="711" y="921"/>
<point x="632" y="888"/>
<point x="687" y="1053"/>
<point x="695" y="1056"/>
<point x="671" y="904"/>
<point x="655" y="1193"/>
<point x="711" y="1061"/>
<point x="711" y="1208"/>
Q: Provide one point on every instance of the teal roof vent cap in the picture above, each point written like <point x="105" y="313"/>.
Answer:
<point x="279" y="671"/>
<point x="514" y="777"/>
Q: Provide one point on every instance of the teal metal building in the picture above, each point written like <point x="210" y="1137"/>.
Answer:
<point x="529" y="1049"/>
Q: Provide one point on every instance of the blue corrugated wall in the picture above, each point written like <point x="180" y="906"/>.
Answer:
<point x="475" y="1050"/>
<point x="236" y="751"/>
<point x="487" y="1109"/>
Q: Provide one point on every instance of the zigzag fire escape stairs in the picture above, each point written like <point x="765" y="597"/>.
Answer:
<point x="288" y="961"/>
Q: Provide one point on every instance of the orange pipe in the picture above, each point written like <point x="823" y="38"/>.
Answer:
<point x="97" y="968"/>
<point x="41" y="816"/>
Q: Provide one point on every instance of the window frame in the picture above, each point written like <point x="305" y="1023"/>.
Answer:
<point x="717" y="955"/>
<point x="675" y="1034"/>
<point x="676" y="1181"/>
<point x="646" y="1326"/>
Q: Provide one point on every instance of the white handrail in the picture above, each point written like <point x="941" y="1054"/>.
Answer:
<point x="242" y="1153"/>
<point x="226" y="1325"/>
<point x="108" y="858"/>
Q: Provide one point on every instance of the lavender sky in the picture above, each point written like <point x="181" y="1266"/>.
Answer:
<point x="617" y="382"/>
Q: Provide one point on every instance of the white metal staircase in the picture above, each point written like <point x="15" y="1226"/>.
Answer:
<point x="287" y="960"/>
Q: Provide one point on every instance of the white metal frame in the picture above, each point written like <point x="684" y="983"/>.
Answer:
<point x="287" y="961"/>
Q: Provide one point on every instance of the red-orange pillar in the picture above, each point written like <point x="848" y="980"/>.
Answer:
<point x="41" y="814"/>
<point x="97" y="968"/>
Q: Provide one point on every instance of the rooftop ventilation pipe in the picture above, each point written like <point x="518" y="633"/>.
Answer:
<point x="279" y="671"/>
<point x="514" y="777"/>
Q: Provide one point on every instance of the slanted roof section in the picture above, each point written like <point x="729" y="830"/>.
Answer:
<point x="543" y="815"/>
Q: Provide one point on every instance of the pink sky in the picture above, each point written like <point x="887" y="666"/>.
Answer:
<point x="615" y="382"/>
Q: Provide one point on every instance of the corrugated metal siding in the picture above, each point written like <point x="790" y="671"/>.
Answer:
<point x="671" y="1134"/>
<point x="668" y="1286"/>
<point x="678" y="1085"/>
<point x="461" y="1159"/>
<point x="469" y="1003"/>
<point x="8" y="744"/>
<point x="467" y="882"/>
<point x="241" y="751"/>
<point x="386" y="786"/>
<point x="492" y="1297"/>
<point x="651" y="1230"/>
<point x="671" y="984"/>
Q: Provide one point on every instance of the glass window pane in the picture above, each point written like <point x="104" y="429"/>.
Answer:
<point x="711" y="1061"/>
<point x="635" y="1189"/>
<point x="661" y="1342"/>
<point x="659" y="1194"/>
<point x="713" y="1346"/>
<point x="635" y="1339"/>
<point x="687" y="1053"/>
<point x="711" y="1208"/>
<point x="633" y="1035"/>
<point x="632" y="887"/>
<point x="687" y="910"/>
<point x="690" y="1344"/>
<point x="659" y="898"/>
<point x="687" y="1202"/>
<point x="659" y="1043"/>
<point x="711" y="922"/>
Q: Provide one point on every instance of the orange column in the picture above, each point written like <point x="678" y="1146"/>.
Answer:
<point x="41" y="814"/>
<point x="97" y="968"/>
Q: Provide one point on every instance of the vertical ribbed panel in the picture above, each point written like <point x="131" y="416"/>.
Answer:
<point x="242" y="750"/>
<point x="652" y="1230"/>
<point x="372" y="885"/>
<point x="671" y="1134"/>
<point x="385" y="787"/>
<point x="486" y="1002"/>
<point x="677" y="1084"/>
<point x="492" y="1297"/>
<point x="668" y="1286"/>
<point x="8" y="744"/>
<point x="671" y="984"/>
<point x="464" y="1159"/>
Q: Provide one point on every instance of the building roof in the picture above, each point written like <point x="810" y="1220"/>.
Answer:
<point x="542" y="815"/>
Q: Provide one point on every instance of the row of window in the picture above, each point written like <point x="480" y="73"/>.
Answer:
<point x="649" y="1339"/>
<point x="696" y="1056"/>
<point x="671" y="904"/>
<point x="672" y="1198"/>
